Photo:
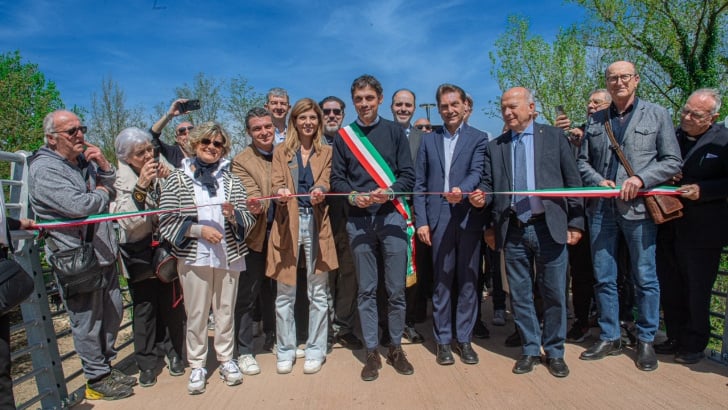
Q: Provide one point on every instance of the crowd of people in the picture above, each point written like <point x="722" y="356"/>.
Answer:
<point x="349" y="206"/>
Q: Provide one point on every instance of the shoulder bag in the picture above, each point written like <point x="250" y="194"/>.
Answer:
<point x="662" y="208"/>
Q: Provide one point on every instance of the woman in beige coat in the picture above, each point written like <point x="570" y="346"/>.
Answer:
<point x="301" y="165"/>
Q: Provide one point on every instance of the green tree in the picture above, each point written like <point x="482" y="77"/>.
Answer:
<point x="242" y="98"/>
<point x="557" y="72"/>
<point x="209" y="91"/>
<point x="677" y="45"/>
<point x="109" y="115"/>
<point x="25" y="98"/>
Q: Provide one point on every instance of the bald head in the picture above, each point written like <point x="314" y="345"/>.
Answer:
<point x="518" y="108"/>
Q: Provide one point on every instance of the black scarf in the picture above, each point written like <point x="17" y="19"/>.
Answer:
<point x="203" y="174"/>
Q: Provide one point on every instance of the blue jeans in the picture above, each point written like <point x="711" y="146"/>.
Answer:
<point x="524" y="248"/>
<point x="605" y="227"/>
<point x="372" y="237"/>
<point x="317" y="289"/>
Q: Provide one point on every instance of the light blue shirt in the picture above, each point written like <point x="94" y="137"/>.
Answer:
<point x="527" y="137"/>
<point x="448" y="142"/>
<point x="280" y="136"/>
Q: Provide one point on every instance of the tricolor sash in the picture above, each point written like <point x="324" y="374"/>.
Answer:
<point x="382" y="174"/>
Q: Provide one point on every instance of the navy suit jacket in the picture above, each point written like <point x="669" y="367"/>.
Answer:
<point x="555" y="168"/>
<point x="465" y="171"/>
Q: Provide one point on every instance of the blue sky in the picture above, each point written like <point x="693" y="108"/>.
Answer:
<point x="312" y="48"/>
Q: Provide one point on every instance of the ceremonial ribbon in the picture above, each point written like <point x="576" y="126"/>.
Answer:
<point x="586" y="192"/>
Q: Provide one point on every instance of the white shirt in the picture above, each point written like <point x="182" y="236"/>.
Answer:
<point x="209" y="214"/>
<point x="3" y="223"/>
<point x="449" y="141"/>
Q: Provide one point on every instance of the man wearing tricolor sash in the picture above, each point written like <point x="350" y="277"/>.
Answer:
<point x="371" y="162"/>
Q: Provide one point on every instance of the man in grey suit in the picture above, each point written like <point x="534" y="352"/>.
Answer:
<point x="647" y="137"/>
<point x="533" y="231"/>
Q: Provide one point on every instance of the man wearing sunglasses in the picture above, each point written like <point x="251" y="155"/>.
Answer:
<point x="174" y="154"/>
<point x="69" y="179"/>
<point x="423" y="124"/>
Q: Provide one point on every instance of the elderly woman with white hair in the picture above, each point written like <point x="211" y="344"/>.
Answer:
<point x="158" y="317"/>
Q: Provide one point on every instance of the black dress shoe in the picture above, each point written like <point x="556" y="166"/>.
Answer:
<point x="349" y="341"/>
<point x="646" y="357"/>
<point x="557" y="367"/>
<point x="466" y="352"/>
<point x="514" y="339"/>
<point x="444" y="355"/>
<point x="688" y="358"/>
<point x="480" y="331"/>
<point x="147" y="378"/>
<point x="411" y="334"/>
<point x="371" y="367"/>
<point x="270" y="340"/>
<point x="669" y="346"/>
<point x="398" y="359"/>
<point x="176" y="366"/>
<point x="601" y="349"/>
<point x="526" y="364"/>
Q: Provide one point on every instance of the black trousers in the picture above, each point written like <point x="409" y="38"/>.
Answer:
<point x="159" y="328"/>
<point x="249" y="286"/>
<point x="686" y="279"/>
<point x="582" y="278"/>
<point x="7" y="401"/>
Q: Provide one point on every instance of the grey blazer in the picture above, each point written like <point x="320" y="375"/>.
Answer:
<point x="649" y="144"/>
<point x="555" y="167"/>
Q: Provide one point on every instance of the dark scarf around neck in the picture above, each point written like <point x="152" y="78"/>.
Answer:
<point x="204" y="175"/>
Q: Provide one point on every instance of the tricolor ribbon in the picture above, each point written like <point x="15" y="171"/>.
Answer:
<point x="586" y="192"/>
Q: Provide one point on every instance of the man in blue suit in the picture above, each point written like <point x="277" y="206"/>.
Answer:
<point x="451" y="162"/>
<point x="533" y="231"/>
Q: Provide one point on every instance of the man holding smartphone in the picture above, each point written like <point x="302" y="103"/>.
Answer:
<point x="174" y="154"/>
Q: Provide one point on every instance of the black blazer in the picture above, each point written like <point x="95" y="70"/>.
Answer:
<point x="705" y="221"/>
<point x="555" y="168"/>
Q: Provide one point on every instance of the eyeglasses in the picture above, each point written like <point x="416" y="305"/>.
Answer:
<point x="72" y="131"/>
<point x="612" y="79"/>
<point x="182" y="130"/>
<point x="696" y="115"/>
<point x="336" y="111"/>
<point x="216" y="143"/>
<point x="424" y="127"/>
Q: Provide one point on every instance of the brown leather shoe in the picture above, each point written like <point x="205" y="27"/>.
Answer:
<point x="398" y="359"/>
<point x="371" y="368"/>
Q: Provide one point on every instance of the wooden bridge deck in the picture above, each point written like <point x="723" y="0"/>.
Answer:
<point x="614" y="382"/>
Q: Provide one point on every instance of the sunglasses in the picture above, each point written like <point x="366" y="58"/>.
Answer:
<point x="216" y="143"/>
<point x="328" y="111"/>
<point x="423" y="127"/>
<point x="182" y="130"/>
<point x="72" y="131"/>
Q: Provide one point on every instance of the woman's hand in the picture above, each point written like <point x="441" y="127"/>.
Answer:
<point x="211" y="234"/>
<point x="317" y="196"/>
<point x="148" y="173"/>
<point x="255" y="206"/>
<point x="228" y="210"/>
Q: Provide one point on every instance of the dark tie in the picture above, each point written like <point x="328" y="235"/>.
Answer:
<point x="520" y="179"/>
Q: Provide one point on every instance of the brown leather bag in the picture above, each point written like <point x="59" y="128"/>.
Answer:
<point x="662" y="208"/>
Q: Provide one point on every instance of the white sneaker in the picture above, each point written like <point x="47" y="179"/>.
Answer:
<point x="230" y="372"/>
<point x="248" y="364"/>
<point x="312" y="366"/>
<point x="499" y="317"/>
<point x="198" y="379"/>
<point x="300" y="353"/>
<point x="284" y="366"/>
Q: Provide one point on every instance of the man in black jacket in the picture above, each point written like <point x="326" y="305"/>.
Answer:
<point x="375" y="223"/>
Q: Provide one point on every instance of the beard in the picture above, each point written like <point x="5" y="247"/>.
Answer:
<point x="331" y="129"/>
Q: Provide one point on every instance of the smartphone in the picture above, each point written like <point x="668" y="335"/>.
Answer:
<point x="190" y="105"/>
<point x="560" y="110"/>
<point x="155" y="146"/>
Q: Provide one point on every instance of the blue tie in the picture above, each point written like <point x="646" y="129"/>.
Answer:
<point x="520" y="179"/>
